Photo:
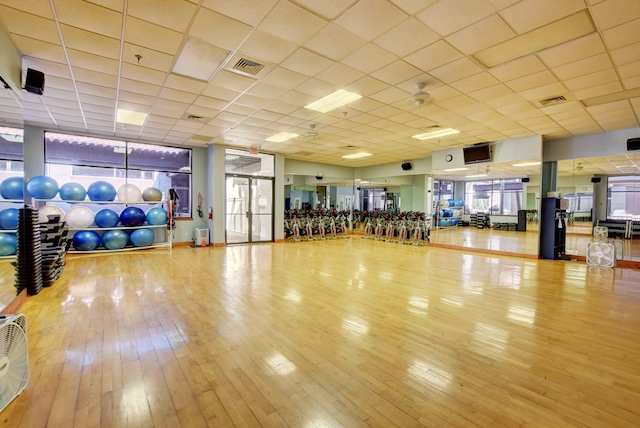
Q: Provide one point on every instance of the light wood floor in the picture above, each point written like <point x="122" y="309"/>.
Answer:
<point x="347" y="333"/>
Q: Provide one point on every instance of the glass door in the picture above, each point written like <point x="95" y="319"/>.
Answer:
<point x="249" y="210"/>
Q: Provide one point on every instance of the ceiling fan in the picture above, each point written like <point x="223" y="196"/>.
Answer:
<point x="421" y="97"/>
<point x="312" y="134"/>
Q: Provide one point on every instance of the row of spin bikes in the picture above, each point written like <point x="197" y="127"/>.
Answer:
<point x="410" y="227"/>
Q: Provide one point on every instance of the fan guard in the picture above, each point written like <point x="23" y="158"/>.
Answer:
<point x="14" y="364"/>
<point x="601" y="254"/>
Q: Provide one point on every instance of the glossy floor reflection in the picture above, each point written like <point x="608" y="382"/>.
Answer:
<point x="349" y="332"/>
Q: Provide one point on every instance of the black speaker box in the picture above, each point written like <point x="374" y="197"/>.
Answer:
<point x="34" y="81"/>
<point x="407" y="166"/>
<point x="596" y="179"/>
<point x="525" y="180"/>
<point x="633" y="144"/>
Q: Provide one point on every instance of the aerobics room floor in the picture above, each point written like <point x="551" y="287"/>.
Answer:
<point x="349" y="332"/>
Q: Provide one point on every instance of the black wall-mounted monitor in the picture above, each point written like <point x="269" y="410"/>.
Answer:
<point x="477" y="154"/>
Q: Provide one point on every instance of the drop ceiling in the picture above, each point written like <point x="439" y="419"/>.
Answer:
<point x="102" y="55"/>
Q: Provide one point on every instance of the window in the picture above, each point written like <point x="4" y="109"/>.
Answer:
<point x="442" y="190"/>
<point x="494" y="196"/>
<point x="87" y="159"/>
<point x="623" y="197"/>
<point x="244" y="163"/>
<point x="11" y="153"/>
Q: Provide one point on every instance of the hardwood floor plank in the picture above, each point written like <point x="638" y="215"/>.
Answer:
<point x="331" y="333"/>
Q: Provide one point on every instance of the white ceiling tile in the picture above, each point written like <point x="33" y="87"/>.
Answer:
<point x="339" y="75"/>
<point x="300" y="26"/>
<point x="544" y="92"/>
<point x="248" y="11"/>
<point x="407" y="37"/>
<point x="183" y="83"/>
<point x="329" y="9"/>
<point x="481" y="35"/>
<point x="433" y="56"/>
<point x="164" y="107"/>
<point x="25" y="24"/>
<point x="143" y="33"/>
<point x="39" y="49"/>
<point x="284" y="78"/>
<point x="447" y="17"/>
<point x="629" y="70"/>
<point x="142" y="74"/>
<point x="369" y="58"/>
<point x="219" y="30"/>
<point x="334" y="42"/>
<point x="532" y="81"/>
<point x="597" y="90"/>
<point x="371" y="18"/>
<point x="529" y="14"/>
<point x="135" y="98"/>
<point x="366" y="86"/>
<point x="176" y="95"/>
<point x="475" y="83"/>
<point x="149" y="58"/>
<point x="622" y="35"/>
<point x="626" y="54"/>
<point x="572" y="51"/>
<point x="226" y="79"/>
<point x="92" y="62"/>
<point x="396" y="72"/>
<point x="585" y="66"/>
<point x="486" y="95"/>
<point x="167" y="13"/>
<point x="268" y="47"/>
<point x="615" y="12"/>
<point x="90" y="17"/>
<point x="456" y="70"/>
<point x="518" y="68"/>
<point x="412" y="6"/>
<point x="593" y="79"/>
<point x="135" y="86"/>
<point x="390" y="95"/>
<point x="306" y="62"/>
<point x="215" y="91"/>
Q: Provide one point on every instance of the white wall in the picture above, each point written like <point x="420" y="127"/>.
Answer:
<point x="11" y="64"/>
<point x="589" y="146"/>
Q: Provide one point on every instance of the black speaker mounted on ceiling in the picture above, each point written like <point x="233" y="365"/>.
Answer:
<point x="525" y="180"/>
<point x="596" y="179"/>
<point x="34" y="81"/>
<point x="406" y="166"/>
<point x="633" y="144"/>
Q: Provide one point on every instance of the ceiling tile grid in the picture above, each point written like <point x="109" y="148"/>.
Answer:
<point x="98" y="56"/>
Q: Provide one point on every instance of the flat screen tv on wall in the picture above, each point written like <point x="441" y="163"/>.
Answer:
<point x="477" y="154"/>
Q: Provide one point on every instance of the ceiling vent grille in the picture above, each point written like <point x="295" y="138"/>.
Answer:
<point x="247" y="66"/>
<point x="553" y="100"/>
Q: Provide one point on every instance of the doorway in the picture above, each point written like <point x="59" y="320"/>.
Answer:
<point x="249" y="209"/>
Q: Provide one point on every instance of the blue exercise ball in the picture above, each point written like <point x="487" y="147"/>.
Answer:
<point x="453" y="221"/>
<point x="443" y="222"/>
<point x="132" y="216"/>
<point x="106" y="218"/>
<point x="142" y="237"/>
<point x="86" y="240"/>
<point x="9" y="219"/>
<point x="8" y="244"/>
<point x="115" y="239"/>
<point x="101" y="191"/>
<point x="42" y="187"/>
<point x="157" y="216"/>
<point x="72" y="192"/>
<point x="12" y="188"/>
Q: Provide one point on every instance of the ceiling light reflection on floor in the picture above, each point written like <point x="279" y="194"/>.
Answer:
<point x="280" y="364"/>
<point x="355" y="324"/>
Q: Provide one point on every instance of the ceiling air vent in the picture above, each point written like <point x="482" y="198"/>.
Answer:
<point x="247" y="66"/>
<point x="553" y="100"/>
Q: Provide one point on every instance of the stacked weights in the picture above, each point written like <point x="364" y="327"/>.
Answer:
<point x="28" y="257"/>
<point x="54" y="243"/>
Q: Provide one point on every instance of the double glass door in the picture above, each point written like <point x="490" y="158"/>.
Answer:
<point x="249" y="210"/>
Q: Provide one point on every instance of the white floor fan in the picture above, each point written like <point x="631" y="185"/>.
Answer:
<point x="600" y="252"/>
<point x="14" y="364"/>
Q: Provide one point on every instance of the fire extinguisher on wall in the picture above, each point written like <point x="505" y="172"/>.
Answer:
<point x="210" y="213"/>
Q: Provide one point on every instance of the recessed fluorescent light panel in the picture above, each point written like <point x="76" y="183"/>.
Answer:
<point x="476" y="176"/>
<point x="455" y="169"/>
<point x="333" y="101"/>
<point x="526" y="164"/>
<point x="611" y="98"/>
<point x="435" y="134"/>
<point x="561" y="31"/>
<point x="282" y="137"/>
<point x="356" y="155"/>
<point x="199" y="59"/>
<point x="129" y="117"/>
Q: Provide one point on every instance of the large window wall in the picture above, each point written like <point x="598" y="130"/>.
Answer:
<point x="494" y="196"/>
<point x="623" y="197"/>
<point x="11" y="153"/>
<point x="84" y="160"/>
